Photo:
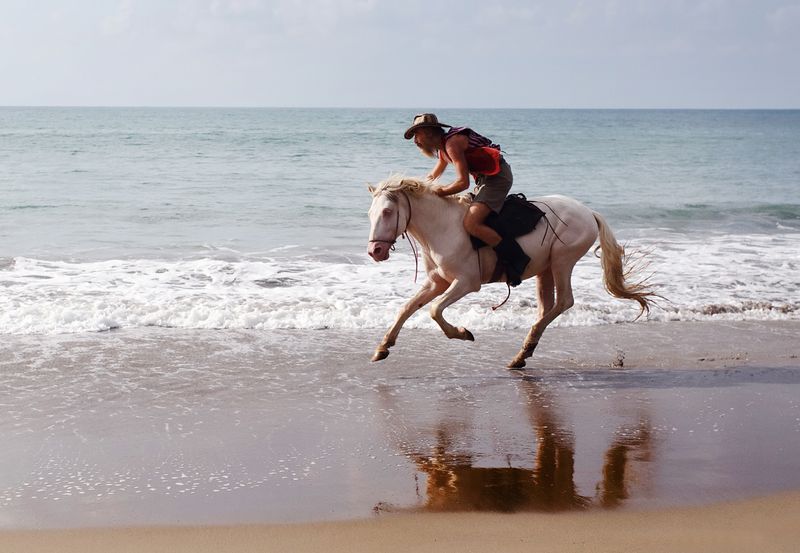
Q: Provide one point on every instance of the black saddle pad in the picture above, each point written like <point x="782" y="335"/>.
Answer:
<point x="518" y="216"/>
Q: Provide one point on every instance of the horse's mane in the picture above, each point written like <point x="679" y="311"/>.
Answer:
<point x="412" y="186"/>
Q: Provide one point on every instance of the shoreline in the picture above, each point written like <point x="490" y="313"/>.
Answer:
<point x="762" y="524"/>
<point x="673" y="345"/>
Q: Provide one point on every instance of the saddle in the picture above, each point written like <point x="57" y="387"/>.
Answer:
<point x="518" y="216"/>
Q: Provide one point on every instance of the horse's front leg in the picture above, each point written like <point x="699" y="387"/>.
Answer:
<point x="434" y="286"/>
<point x="457" y="290"/>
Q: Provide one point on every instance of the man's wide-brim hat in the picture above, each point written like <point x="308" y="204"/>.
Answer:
<point x="424" y="120"/>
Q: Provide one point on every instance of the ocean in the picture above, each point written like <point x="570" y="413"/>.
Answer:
<point x="256" y="218"/>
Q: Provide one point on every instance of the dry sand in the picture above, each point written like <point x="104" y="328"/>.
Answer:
<point x="758" y="525"/>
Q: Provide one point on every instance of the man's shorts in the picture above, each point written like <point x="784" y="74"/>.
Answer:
<point x="493" y="190"/>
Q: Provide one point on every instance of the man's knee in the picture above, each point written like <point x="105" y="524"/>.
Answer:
<point x="472" y="222"/>
<point x="475" y="218"/>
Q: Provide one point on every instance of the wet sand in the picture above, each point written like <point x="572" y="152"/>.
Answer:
<point x="628" y="432"/>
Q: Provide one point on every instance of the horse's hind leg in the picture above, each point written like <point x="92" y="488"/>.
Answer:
<point x="545" y="290"/>
<point x="550" y="307"/>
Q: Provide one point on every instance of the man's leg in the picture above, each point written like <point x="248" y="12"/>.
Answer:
<point x="506" y="248"/>
<point x="473" y="224"/>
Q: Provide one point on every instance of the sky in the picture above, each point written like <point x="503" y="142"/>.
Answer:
<point x="402" y="53"/>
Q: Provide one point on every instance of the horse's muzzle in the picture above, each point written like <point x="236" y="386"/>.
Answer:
<point x="379" y="251"/>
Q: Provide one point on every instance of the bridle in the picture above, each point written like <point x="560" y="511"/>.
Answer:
<point x="404" y="234"/>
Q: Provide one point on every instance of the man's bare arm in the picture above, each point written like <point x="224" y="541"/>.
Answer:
<point x="455" y="149"/>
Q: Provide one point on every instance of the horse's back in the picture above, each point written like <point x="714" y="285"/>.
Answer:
<point x="567" y="231"/>
<point x="554" y="202"/>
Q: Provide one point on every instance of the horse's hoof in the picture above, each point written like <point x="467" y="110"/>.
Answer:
<point x="380" y="355"/>
<point x="467" y="335"/>
<point x="516" y="364"/>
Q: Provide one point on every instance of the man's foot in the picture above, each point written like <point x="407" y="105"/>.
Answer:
<point x="515" y="260"/>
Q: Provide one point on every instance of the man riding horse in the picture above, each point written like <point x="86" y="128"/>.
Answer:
<point x="471" y="153"/>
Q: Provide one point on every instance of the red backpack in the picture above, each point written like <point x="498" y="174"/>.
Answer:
<point x="483" y="160"/>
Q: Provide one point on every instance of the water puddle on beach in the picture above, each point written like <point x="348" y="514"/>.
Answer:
<point x="182" y="427"/>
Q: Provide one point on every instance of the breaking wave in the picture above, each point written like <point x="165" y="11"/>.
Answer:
<point x="735" y="278"/>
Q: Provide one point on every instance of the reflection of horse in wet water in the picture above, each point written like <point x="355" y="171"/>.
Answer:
<point x="454" y="269"/>
<point x="454" y="483"/>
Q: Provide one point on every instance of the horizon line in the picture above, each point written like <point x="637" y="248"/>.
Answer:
<point x="190" y="106"/>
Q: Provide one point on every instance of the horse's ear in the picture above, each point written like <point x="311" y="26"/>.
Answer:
<point x="371" y="189"/>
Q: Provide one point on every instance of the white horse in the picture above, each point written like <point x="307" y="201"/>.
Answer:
<point x="454" y="269"/>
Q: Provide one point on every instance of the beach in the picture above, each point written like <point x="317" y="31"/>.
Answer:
<point x="657" y="435"/>
<point x="187" y="333"/>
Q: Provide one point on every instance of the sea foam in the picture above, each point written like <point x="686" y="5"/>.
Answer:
<point x="741" y="278"/>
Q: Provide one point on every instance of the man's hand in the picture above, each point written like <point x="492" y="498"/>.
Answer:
<point x="441" y="192"/>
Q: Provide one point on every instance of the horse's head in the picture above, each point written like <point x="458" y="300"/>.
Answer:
<point x="389" y="215"/>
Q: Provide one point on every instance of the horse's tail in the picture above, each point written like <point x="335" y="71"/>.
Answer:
<point x="617" y="270"/>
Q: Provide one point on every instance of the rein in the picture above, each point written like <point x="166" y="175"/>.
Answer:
<point x="405" y="235"/>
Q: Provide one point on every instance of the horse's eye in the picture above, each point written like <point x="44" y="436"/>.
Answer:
<point x="387" y="211"/>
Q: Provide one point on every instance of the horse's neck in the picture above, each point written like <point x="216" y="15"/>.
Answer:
<point x="437" y="224"/>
